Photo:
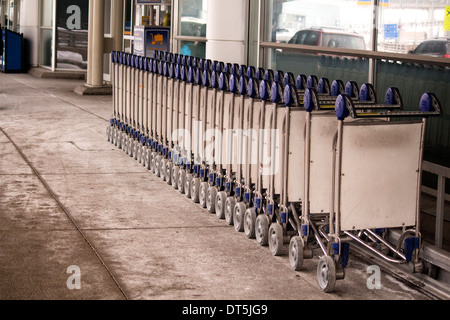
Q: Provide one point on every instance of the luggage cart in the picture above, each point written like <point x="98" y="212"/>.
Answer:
<point x="360" y="150"/>
<point x="218" y="171"/>
<point x="316" y="129"/>
<point x="192" y="118"/>
<point x="146" y="103"/>
<point x="261" y="205"/>
<point x="211" y="80"/>
<point x="172" y="100"/>
<point x="235" y="205"/>
<point x="111" y="128"/>
<point x="178" y="154"/>
<point x="252" y="121"/>
<point x="131" y="107"/>
<point x="200" y="169"/>
<point x="225" y="204"/>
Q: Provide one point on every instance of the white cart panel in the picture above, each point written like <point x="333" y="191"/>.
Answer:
<point x="379" y="179"/>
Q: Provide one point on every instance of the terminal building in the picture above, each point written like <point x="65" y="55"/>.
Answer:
<point x="388" y="43"/>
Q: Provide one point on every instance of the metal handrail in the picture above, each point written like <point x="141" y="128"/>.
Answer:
<point x="442" y="174"/>
<point x="379" y="55"/>
<point x="190" y="38"/>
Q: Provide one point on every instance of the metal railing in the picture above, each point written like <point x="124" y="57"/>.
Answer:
<point x="442" y="173"/>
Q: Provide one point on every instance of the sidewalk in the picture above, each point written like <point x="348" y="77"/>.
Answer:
<point x="70" y="198"/>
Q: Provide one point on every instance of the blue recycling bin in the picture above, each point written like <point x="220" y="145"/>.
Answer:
<point x="12" y="55"/>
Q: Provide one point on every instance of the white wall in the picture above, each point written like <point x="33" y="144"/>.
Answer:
<point x="227" y="30"/>
<point x="29" y="26"/>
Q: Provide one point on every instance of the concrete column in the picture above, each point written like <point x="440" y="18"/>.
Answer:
<point x="117" y="22"/>
<point x="90" y="40"/>
<point x="98" y="43"/>
<point x="29" y="26"/>
<point x="96" y="46"/>
<point x="226" y="30"/>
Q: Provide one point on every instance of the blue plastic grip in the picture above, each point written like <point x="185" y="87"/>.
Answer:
<point x="341" y="108"/>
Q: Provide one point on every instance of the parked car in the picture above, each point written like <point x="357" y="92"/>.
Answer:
<point x="334" y="38"/>
<point x="283" y="35"/>
<point x="433" y="48"/>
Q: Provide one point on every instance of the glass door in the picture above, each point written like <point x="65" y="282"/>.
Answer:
<point x="47" y="31"/>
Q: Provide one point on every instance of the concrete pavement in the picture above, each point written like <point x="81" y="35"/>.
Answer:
<point x="76" y="210"/>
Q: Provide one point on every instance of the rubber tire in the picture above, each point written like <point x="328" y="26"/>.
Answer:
<point x="211" y="199"/>
<point x="229" y="210"/>
<point x="187" y="185"/>
<point x="168" y="172"/>
<point x="326" y="274"/>
<point x="296" y="253"/>
<point x="262" y="230"/>
<point x="276" y="239"/>
<point x="152" y="161"/>
<point x="162" y="169"/>
<point x="249" y="223"/>
<point x="175" y="173"/>
<point x="238" y="216"/>
<point x="219" y="204"/>
<point x="181" y="180"/>
<point x="203" y="194"/>
<point x="195" y="189"/>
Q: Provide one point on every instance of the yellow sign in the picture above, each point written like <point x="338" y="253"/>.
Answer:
<point x="447" y="19"/>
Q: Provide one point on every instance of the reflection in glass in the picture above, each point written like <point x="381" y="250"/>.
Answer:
<point x="47" y="13"/>
<point x="72" y="34"/>
<point x="46" y="47"/>
<point x="193" y="18"/>
<point x="289" y="17"/>
<point x="193" y="48"/>
<point x="404" y="24"/>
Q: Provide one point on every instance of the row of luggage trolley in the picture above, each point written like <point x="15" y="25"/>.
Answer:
<point x="287" y="160"/>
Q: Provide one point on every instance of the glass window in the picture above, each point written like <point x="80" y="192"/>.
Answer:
<point x="47" y="13"/>
<point x="326" y="23"/>
<point x="192" y="23"/>
<point x="72" y="19"/>
<point x="46" y="54"/>
<point x="315" y="17"/>
<point x="193" y="18"/>
<point x="404" y="24"/>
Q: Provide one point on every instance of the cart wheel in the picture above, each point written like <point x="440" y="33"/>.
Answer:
<point x="147" y="158"/>
<point x="130" y="147"/>
<point x="296" y="253"/>
<point x="158" y="166"/>
<point x="229" y="210"/>
<point x="326" y="274"/>
<point x="135" y="150"/>
<point x="238" y="216"/>
<point x="202" y="194"/>
<point x="187" y="185"/>
<point x="175" y="170"/>
<point x="123" y="142"/>
<point x="221" y="197"/>
<point x="152" y="162"/>
<point x="195" y="189"/>
<point x="140" y="154"/>
<point x="118" y="142"/>
<point x="276" y="239"/>
<point x="168" y="171"/>
<point x="162" y="169"/>
<point x="108" y="133"/>
<point x="249" y="223"/>
<point x="210" y="199"/>
<point x="181" y="180"/>
<point x="118" y="138"/>
<point x="262" y="230"/>
<point x="114" y="137"/>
